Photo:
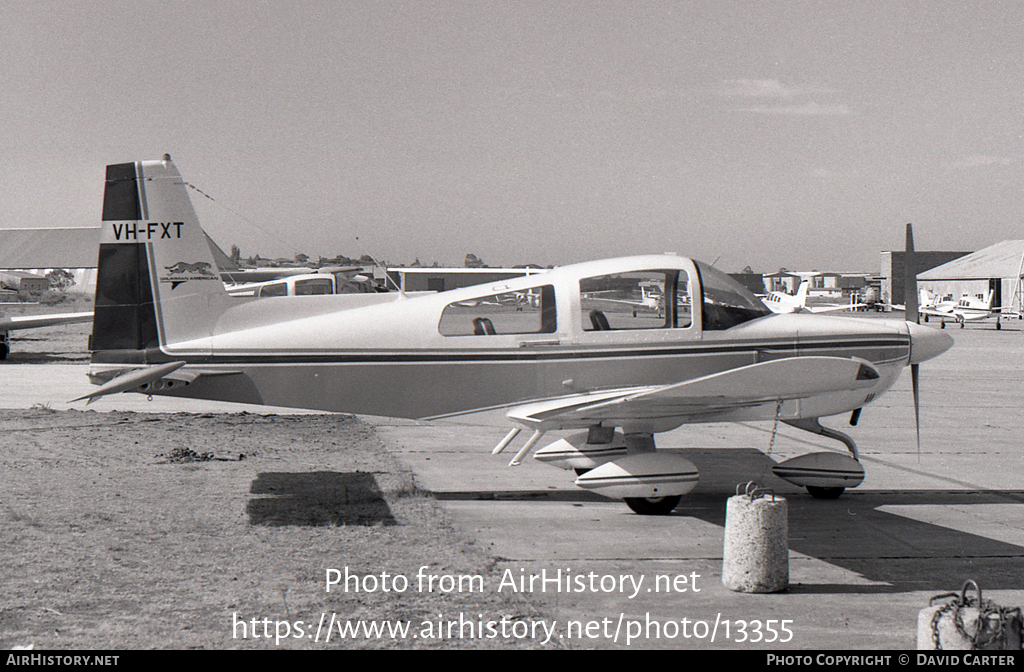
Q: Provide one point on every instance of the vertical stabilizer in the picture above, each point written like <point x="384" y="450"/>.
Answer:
<point x="801" y="294"/>
<point x="157" y="281"/>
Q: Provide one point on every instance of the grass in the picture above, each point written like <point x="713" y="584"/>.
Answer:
<point x="107" y="544"/>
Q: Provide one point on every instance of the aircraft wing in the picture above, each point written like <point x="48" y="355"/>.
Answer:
<point x="831" y="308"/>
<point x="242" y="277"/>
<point x="622" y="301"/>
<point x="34" y="321"/>
<point x="971" y="317"/>
<point x="704" y="397"/>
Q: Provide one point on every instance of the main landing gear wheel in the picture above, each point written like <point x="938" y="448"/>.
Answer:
<point x="824" y="493"/>
<point x="4" y="349"/>
<point x="653" y="506"/>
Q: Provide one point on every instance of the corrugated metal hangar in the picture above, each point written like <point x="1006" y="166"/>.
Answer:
<point x="998" y="267"/>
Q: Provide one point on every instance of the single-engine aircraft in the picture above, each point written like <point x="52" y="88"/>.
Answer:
<point x="782" y="303"/>
<point x="163" y="326"/>
<point x="637" y="294"/>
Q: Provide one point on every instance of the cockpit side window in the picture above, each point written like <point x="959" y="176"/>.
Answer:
<point x="726" y="302"/>
<point x="637" y="300"/>
<point x="526" y="311"/>
<point x="276" y="289"/>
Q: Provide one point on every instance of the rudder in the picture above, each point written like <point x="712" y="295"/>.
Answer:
<point x="157" y="281"/>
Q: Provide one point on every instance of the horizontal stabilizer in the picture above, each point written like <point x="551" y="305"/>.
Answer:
<point x="132" y="379"/>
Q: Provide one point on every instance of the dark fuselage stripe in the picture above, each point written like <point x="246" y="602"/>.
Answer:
<point x="504" y="355"/>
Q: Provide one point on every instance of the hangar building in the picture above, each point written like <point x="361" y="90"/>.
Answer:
<point x="31" y="253"/>
<point x="38" y="251"/>
<point x="998" y="267"/>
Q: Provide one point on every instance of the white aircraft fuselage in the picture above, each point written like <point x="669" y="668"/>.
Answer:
<point x="164" y="324"/>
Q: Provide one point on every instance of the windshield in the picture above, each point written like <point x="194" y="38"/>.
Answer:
<point x="726" y="302"/>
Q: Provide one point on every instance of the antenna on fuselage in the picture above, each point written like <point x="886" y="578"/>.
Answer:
<point x="401" y="292"/>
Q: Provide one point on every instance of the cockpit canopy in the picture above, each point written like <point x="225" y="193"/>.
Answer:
<point x="646" y="294"/>
<point x="726" y="302"/>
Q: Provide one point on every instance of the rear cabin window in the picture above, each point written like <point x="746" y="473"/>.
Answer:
<point x="637" y="300"/>
<point x="314" y="286"/>
<point x="527" y="311"/>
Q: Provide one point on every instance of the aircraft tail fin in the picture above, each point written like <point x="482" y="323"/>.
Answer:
<point x="801" y="293"/>
<point x="157" y="283"/>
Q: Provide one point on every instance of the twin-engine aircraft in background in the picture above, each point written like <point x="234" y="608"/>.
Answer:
<point x="782" y="303"/>
<point x="714" y="352"/>
<point x="970" y="308"/>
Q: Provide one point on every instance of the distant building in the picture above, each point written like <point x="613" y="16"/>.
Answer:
<point x="892" y="272"/>
<point x="23" y="281"/>
<point x="781" y="281"/>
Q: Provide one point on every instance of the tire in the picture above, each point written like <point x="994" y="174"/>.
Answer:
<point x="824" y="493"/>
<point x="4" y="349"/>
<point x="653" y="506"/>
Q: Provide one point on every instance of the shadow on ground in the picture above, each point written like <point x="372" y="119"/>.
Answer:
<point x="317" y="499"/>
<point x="898" y="553"/>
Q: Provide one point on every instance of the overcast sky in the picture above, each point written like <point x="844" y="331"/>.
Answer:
<point x="767" y="134"/>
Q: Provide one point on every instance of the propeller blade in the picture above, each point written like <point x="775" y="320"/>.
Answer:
<point x="910" y="277"/>
<point x="914" y="371"/>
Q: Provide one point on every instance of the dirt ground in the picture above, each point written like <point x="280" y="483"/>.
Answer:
<point x="145" y="530"/>
<point x="127" y="530"/>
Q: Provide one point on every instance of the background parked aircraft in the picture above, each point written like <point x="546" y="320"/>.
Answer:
<point x="347" y="280"/>
<point x="782" y="303"/>
<point x="14" y="323"/>
<point x="970" y="308"/>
